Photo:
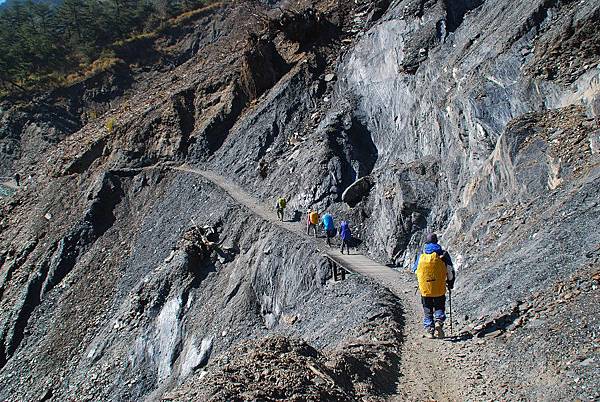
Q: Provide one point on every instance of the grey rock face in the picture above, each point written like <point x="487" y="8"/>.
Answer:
<point x="401" y="117"/>
<point x="457" y="109"/>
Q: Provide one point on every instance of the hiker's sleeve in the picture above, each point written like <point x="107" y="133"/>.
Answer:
<point x="415" y="265"/>
<point x="446" y="258"/>
<point x="451" y="276"/>
<point x="450" y="273"/>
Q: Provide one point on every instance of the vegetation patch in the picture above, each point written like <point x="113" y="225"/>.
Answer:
<point x="43" y="46"/>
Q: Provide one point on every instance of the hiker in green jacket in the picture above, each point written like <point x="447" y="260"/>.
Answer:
<point x="280" y="207"/>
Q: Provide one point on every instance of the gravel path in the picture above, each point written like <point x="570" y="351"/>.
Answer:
<point x="430" y="369"/>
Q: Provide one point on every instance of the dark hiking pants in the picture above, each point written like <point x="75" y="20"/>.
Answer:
<point x="345" y="243"/>
<point x="434" y="309"/>
<point x="329" y="233"/>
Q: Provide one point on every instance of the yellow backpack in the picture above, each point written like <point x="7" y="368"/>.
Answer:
<point x="314" y="218"/>
<point x="432" y="275"/>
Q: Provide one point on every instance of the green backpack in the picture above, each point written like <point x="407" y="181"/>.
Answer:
<point x="281" y="202"/>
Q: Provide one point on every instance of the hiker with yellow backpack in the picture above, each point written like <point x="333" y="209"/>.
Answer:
<point x="312" y="220"/>
<point x="280" y="207"/>
<point x="434" y="272"/>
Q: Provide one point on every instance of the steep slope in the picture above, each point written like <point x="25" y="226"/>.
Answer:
<point x="123" y="278"/>
<point x="111" y="289"/>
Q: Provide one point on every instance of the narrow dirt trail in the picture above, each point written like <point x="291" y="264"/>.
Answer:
<point x="431" y="370"/>
<point x="9" y="184"/>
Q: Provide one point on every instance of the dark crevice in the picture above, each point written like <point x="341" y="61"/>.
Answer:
<point x="267" y="139"/>
<point x="100" y="213"/>
<point x="456" y="11"/>
<point x="97" y="220"/>
<point x="3" y="357"/>
<point x="30" y="302"/>
<point x="350" y="140"/>
<point x="363" y="149"/>
<point x="47" y="396"/>
<point x="185" y="109"/>
<point x="215" y="133"/>
<point x="310" y="29"/>
<point x="357" y="191"/>
<point x="83" y="162"/>
<point x="233" y="293"/>
<point x="379" y="9"/>
<point x="15" y="264"/>
<point x="262" y="67"/>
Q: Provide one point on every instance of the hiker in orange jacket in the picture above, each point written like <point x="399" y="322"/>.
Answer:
<point x="312" y="220"/>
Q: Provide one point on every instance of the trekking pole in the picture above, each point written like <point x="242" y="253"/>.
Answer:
<point x="450" y="305"/>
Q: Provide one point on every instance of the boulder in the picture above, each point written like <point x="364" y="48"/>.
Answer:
<point x="357" y="190"/>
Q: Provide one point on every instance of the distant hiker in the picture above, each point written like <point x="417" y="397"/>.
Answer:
<point x="17" y="178"/>
<point x="312" y="220"/>
<point x="345" y="235"/>
<point x="434" y="271"/>
<point x="327" y="221"/>
<point x="280" y="207"/>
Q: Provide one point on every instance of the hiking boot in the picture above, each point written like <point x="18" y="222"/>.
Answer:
<point x="428" y="334"/>
<point x="439" y="329"/>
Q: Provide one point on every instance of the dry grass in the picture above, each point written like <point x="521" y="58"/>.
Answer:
<point x="101" y="64"/>
<point x="192" y="15"/>
<point x="132" y="40"/>
<point x="97" y="66"/>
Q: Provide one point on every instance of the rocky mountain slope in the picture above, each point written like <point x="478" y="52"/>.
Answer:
<point x="123" y="278"/>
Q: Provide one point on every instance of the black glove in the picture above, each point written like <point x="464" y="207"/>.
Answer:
<point x="450" y="284"/>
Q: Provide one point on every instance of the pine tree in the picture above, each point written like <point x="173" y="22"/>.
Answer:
<point x="38" y="40"/>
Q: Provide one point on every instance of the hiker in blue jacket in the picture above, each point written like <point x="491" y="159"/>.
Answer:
<point x="345" y="235"/>
<point x="327" y="222"/>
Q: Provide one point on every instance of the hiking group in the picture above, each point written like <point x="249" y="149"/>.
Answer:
<point x="433" y="267"/>
<point x="313" y="221"/>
